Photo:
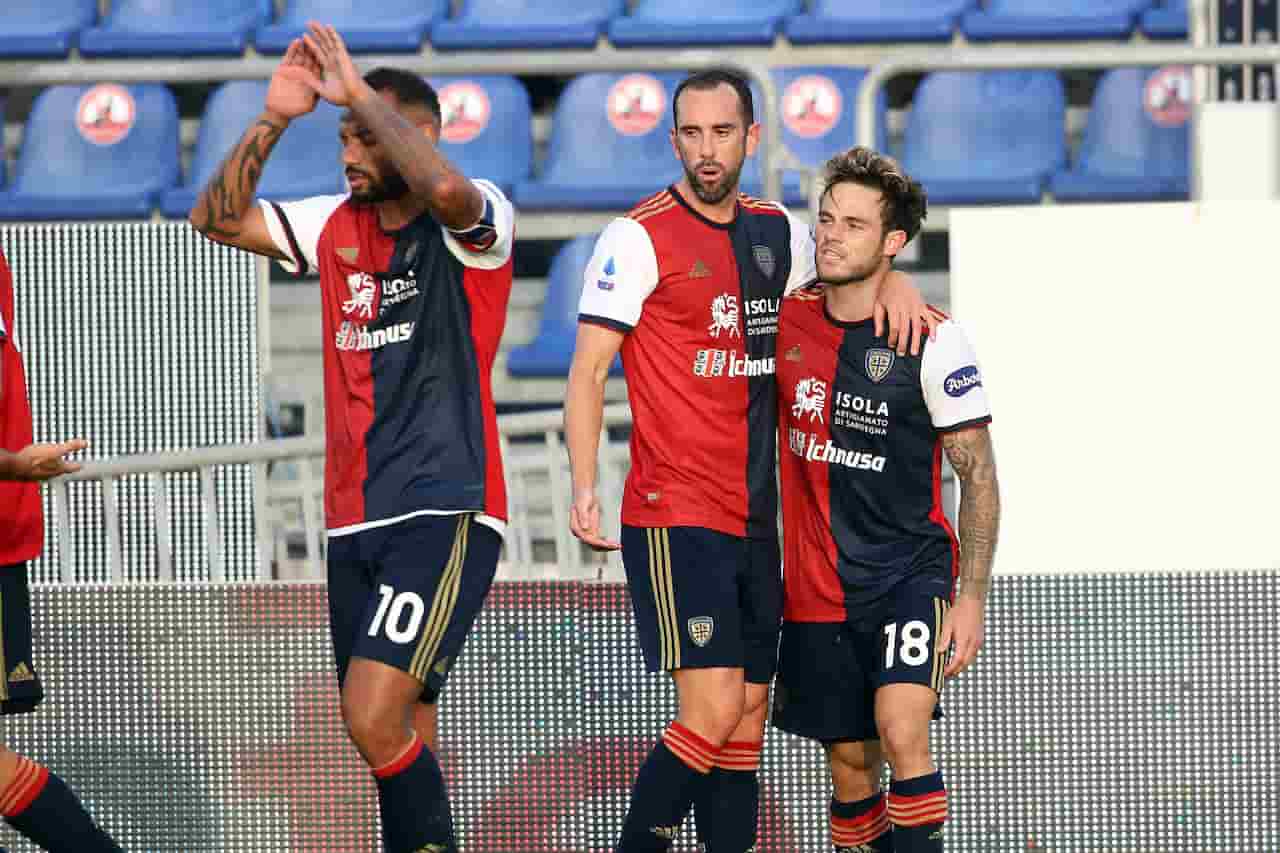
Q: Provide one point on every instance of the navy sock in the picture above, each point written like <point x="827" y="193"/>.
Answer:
<point x="727" y="807"/>
<point x="413" y="803"/>
<point x="40" y="806"/>
<point x="918" y="809"/>
<point x="861" y="825"/>
<point x="664" y="790"/>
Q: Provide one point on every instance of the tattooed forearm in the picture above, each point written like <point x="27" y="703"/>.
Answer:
<point x="221" y="207"/>
<point x="453" y="200"/>
<point x="973" y="459"/>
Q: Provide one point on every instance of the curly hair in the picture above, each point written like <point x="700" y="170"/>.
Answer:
<point x="905" y="203"/>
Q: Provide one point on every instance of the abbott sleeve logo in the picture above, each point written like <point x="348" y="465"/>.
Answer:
<point x="724" y="316"/>
<point x="962" y="381"/>
<point x="364" y="290"/>
<point x="811" y="399"/>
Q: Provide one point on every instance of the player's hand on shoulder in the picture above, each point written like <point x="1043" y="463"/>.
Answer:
<point x="41" y="462"/>
<point x="965" y="630"/>
<point x="584" y="521"/>
<point x="291" y="92"/>
<point x="909" y="318"/>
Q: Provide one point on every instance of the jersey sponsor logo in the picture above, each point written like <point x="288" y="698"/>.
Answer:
<point x="811" y="400"/>
<point x="962" y="381"/>
<point x="397" y="290"/>
<point x="105" y="114"/>
<point x="719" y="362"/>
<point x="811" y="106"/>
<point x="860" y="413"/>
<point x="21" y="673"/>
<point x="364" y="292"/>
<point x="635" y="104"/>
<point x="724" y="316"/>
<point x="762" y="316"/>
<point x="764" y="260"/>
<point x="699" y="270"/>
<point x="355" y="337"/>
<point x="700" y="630"/>
<point x="878" y="363"/>
<point x="810" y="448"/>
<point x="464" y="111"/>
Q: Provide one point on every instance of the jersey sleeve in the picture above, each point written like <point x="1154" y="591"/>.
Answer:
<point x="296" y="226"/>
<point x="621" y="274"/>
<point x="803" y="255"/>
<point x="952" y="381"/>
<point x="487" y="244"/>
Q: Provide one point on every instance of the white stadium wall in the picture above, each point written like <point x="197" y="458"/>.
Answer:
<point x="1131" y="365"/>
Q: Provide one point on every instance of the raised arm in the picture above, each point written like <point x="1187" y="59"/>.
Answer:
<point x="225" y="210"/>
<point x="453" y="200"/>
<point x="972" y="457"/>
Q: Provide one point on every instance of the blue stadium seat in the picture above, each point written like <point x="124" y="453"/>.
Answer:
<point x="306" y="161"/>
<point x="1053" y="19"/>
<point x="2" y="163"/>
<point x="44" y="27"/>
<point x="818" y="114"/>
<point x="712" y="22"/>
<point x="488" y="127"/>
<point x="492" y="24"/>
<point x="385" y="25"/>
<point x="1126" y="155"/>
<point x="610" y="145"/>
<point x="1167" y="21"/>
<point x="550" y="353"/>
<point x="177" y="27"/>
<point x="877" y="21"/>
<point x="95" y="152"/>
<point x="986" y="136"/>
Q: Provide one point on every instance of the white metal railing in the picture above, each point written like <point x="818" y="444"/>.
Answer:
<point x="538" y="541"/>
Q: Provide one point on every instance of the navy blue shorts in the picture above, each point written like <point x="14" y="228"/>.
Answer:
<point x="407" y="594"/>
<point x="20" y="689"/>
<point x="703" y="598"/>
<point x="829" y="672"/>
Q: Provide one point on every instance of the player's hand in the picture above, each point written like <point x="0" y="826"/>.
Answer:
<point x="341" y="83"/>
<point x="584" y="521"/>
<point x="41" y="462"/>
<point x="963" y="627"/>
<point x="901" y="305"/>
<point x="290" y="93"/>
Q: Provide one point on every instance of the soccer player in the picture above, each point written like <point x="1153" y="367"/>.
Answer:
<point x="870" y="558"/>
<point x="33" y="800"/>
<point x="687" y="286"/>
<point x="415" y="273"/>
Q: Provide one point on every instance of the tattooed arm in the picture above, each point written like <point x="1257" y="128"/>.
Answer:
<point x="973" y="459"/>
<point x="225" y="210"/>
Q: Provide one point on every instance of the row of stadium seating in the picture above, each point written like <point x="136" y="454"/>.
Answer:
<point x="227" y="27"/>
<point x="972" y="137"/>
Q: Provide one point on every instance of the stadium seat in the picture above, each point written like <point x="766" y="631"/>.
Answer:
<point x="601" y="122"/>
<point x="1167" y="21"/>
<point x="305" y="162"/>
<point x="95" y="152"/>
<point x="2" y="163"/>
<point x="385" y="25"/>
<point x="492" y="24"/>
<point x="877" y="21"/>
<point x="488" y="127"/>
<point x="818" y="113"/>
<point x="44" y="27"/>
<point x="177" y="27"/>
<point x="550" y="353"/>
<point x="711" y="22"/>
<point x="975" y="137"/>
<point x="1053" y="19"/>
<point x="1126" y="154"/>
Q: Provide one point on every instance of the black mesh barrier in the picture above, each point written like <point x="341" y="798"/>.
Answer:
<point x="1107" y="713"/>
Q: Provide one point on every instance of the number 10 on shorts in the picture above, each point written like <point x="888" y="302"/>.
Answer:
<point x="914" y="649"/>
<point x="391" y="614"/>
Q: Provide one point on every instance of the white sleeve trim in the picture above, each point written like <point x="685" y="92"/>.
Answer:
<point x="504" y="224"/>
<point x="951" y="379"/>
<point x="621" y="274"/>
<point x="803" y="269"/>
<point x="306" y="220"/>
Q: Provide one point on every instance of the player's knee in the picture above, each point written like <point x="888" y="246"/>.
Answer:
<point x="905" y="741"/>
<point x="714" y="715"/>
<point x="378" y="732"/>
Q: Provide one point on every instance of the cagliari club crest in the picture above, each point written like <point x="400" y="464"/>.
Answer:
<point x="764" y="260"/>
<point x="879" y="363"/>
<point x="700" y="630"/>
